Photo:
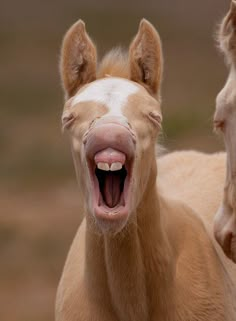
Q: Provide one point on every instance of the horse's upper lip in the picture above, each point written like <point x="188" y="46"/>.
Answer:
<point x="109" y="135"/>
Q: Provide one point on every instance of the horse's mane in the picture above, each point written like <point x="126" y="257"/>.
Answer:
<point x="115" y="64"/>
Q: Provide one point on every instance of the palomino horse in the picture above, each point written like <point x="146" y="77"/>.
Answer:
<point x="145" y="250"/>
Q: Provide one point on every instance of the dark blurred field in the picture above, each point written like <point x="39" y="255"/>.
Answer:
<point x="38" y="193"/>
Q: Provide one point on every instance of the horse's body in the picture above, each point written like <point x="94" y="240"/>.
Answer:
<point x="189" y="170"/>
<point x="201" y="271"/>
<point x="145" y="250"/>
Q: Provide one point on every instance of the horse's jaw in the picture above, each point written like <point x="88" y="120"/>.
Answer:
<point x="110" y="157"/>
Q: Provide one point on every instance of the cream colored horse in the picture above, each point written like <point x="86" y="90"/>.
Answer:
<point x="225" y="120"/>
<point x="145" y="250"/>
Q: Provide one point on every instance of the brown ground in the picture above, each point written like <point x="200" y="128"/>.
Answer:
<point x="38" y="193"/>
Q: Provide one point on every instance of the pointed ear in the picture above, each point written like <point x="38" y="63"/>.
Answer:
<point x="145" y="58"/>
<point x="78" y="59"/>
<point x="227" y="32"/>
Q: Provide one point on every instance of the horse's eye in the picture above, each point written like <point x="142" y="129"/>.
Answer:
<point x="67" y="119"/>
<point x="156" y="118"/>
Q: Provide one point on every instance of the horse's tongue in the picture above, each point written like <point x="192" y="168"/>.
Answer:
<point x="112" y="189"/>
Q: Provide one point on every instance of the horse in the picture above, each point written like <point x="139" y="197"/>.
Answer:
<point x="146" y="248"/>
<point x="224" y="120"/>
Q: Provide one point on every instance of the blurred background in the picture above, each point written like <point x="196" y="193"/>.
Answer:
<point x="38" y="192"/>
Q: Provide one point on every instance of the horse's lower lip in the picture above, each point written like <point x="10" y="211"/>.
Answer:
<point x="101" y="213"/>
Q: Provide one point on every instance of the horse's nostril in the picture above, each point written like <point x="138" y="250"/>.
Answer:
<point x="93" y="122"/>
<point x="219" y="125"/>
<point x="85" y="137"/>
<point x="130" y="125"/>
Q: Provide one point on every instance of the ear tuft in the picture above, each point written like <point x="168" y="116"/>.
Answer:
<point x="233" y="12"/>
<point x="233" y="4"/>
<point x="78" y="59"/>
<point x="145" y="58"/>
<point x="146" y="25"/>
<point x="81" y="25"/>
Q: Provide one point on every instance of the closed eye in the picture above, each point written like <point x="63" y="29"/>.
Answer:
<point x="156" y="118"/>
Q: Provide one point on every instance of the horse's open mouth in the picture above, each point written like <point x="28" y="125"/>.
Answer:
<point x="111" y="187"/>
<point x="110" y="172"/>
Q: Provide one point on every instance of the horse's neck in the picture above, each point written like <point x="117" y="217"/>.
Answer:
<point x="137" y="265"/>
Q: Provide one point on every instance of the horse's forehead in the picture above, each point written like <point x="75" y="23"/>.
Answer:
<point x="111" y="92"/>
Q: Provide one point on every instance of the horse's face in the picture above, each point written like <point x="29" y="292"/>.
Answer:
<point x="113" y="123"/>
<point x="114" y="133"/>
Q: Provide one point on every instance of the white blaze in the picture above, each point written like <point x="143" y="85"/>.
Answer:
<point x="112" y="92"/>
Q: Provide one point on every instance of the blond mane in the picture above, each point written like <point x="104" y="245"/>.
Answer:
<point x="115" y="64"/>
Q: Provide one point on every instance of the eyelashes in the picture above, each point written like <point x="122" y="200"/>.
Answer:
<point x="155" y="118"/>
<point x="68" y="119"/>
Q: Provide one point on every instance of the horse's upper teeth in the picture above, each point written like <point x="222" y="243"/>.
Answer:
<point x="105" y="166"/>
<point x="115" y="166"/>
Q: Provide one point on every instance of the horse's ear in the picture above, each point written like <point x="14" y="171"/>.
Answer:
<point x="78" y="59"/>
<point x="145" y="58"/>
<point x="227" y="33"/>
